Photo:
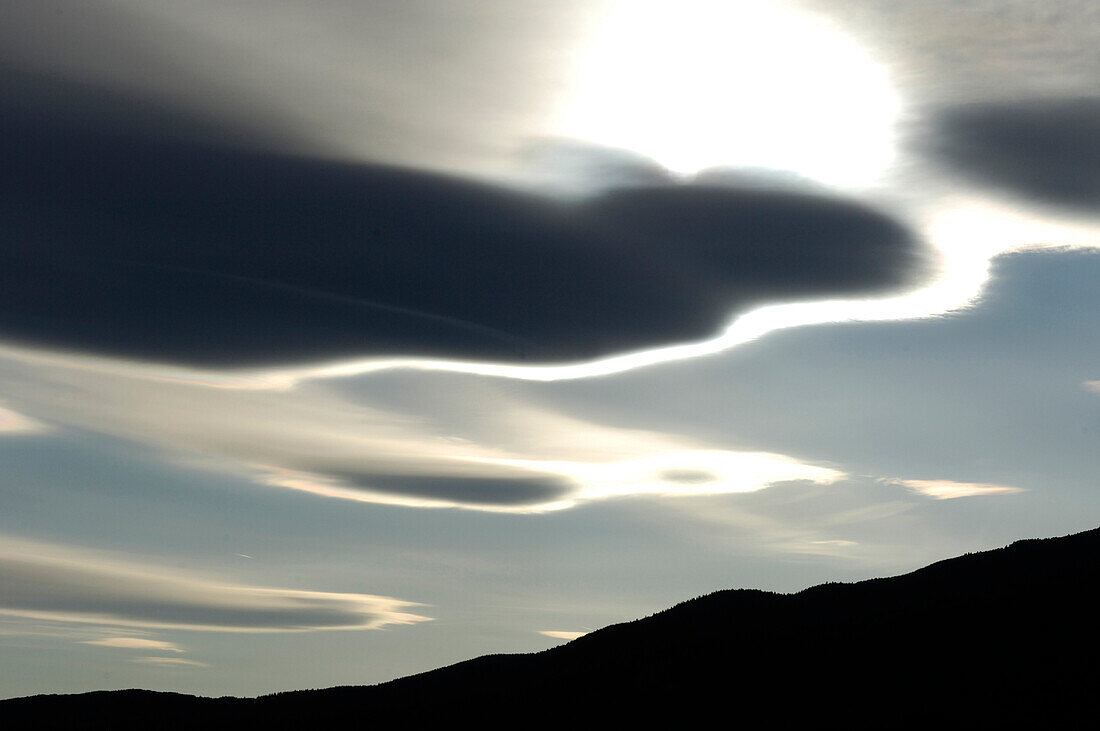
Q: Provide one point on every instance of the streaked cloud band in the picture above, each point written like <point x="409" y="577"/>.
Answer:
<point x="49" y="582"/>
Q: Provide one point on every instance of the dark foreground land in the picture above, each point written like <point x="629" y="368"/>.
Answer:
<point x="1003" y="637"/>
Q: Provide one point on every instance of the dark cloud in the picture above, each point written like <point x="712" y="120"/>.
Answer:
<point x="100" y="66"/>
<point x="1044" y="149"/>
<point x="435" y="85"/>
<point x="742" y="246"/>
<point x="129" y="240"/>
<point x="504" y="491"/>
<point x="42" y="111"/>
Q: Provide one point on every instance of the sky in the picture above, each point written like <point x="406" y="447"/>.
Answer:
<point x="343" y="340"/>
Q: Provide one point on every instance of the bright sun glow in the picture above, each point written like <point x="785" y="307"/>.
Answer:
<point x="692" y="472"/>
<point x="703" y="83"/>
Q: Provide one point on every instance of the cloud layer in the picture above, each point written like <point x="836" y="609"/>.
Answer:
<point x="15" y="423"/>
<point x="135" y="643"/>
<point x="411" y="439"/>
<point x="949" y="490"/>
<point x="131" y="241"/>
<point x="1045" y="149"/>
<point x="48" y="582"/>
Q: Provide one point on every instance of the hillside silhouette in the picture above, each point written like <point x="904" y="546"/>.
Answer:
<point x="1002" y="636"/>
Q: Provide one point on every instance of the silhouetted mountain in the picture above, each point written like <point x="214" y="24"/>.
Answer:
<point x="1003" y="636"/>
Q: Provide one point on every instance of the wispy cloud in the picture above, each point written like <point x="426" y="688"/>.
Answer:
<point x="683" y="473"/>
<point x="169" y="662"/>
<point x="15" y="423"/>
<point x="56" y="583"/>
<point x="558" y="634"/>
<point x="948" y="490"/>
<point x="408" y="442"/>
<point x="135" y="643"/>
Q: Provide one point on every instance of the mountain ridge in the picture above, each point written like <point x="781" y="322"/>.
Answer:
<point x="1004" y="635"/>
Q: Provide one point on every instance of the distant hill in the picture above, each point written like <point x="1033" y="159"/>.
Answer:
<point x="1003" y="636"/>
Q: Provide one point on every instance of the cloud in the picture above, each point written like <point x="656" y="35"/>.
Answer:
<point x="490" y="494"/>
<point x="473" y="491"/>
<point x="1093" y="386"/>
<point x="566" y="483"/>
<point x="97" y="65"/>
<point x="578" y="169"/>
<point x="415" y="82"/>
<point x="152" y="245"/>
<point x="170" y="662"/>
<point x="1044" y="149"/>
<point x="561" y="634"/>
<point x="412" y="439"/>
<point x="948" y="490"/>
<point x="135" y="643"/>
<point x="14" y="423"/>
<point x="682" y="473"/>
<point x="757" y="178"/>
<point x="56" y="583"/>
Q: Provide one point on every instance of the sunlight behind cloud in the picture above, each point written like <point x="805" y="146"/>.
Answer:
<point x="700" y="83"/>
